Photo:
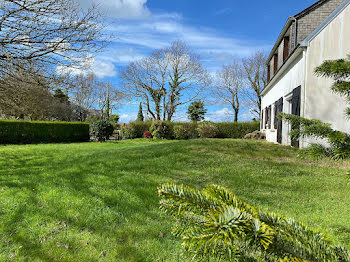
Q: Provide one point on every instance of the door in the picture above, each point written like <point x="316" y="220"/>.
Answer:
<point x="296" y="111"/>
<point x="278" y="121"/>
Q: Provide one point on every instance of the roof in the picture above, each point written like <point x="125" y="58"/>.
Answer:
<point x="318" y="30"/>
<point x="289" y="22"/>
<point x="310" y="8"/>
<point x="306" y="42"/>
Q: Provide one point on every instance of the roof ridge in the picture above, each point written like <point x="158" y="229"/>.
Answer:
<point x="310" y="8"/>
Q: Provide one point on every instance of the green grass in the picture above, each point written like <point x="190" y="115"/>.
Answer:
<point x="98" y="201"/>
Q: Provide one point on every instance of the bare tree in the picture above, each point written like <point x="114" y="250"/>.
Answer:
<point x="229" y="86"/>
<point x="108" y="98"/>
<point x="165" y="80"/>
<point x="47" y="32"/>
<point x="187" y="77"/>
<point x="82" y="91"/>
<point x="256" y="74"/>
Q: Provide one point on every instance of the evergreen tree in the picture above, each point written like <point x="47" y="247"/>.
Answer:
<point x="196" y="111"/>
<point x="215" y="225"/>
<point x="61" y="96"/>
<point x="140" y="114"/>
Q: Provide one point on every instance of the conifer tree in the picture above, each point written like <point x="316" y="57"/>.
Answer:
<point x="140" y="114"/>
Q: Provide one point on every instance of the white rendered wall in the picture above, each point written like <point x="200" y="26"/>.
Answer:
<point x="282" y="86"/>
<point x="333" y="42"/>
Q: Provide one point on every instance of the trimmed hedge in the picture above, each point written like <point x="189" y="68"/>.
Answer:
<point x="29" y="132"/>
<point x="236" y="130"/>
<point x="187" y="130"/>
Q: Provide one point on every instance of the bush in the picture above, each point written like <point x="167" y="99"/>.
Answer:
<point x="161" y="130"/>
<point x="184" y="131"/>
<point x="135" y="129"/>
<point x="214" y="224"/>
<point x="102" y="130"/>
<point x="28" y="132"/>
<point x="236" y="130"/>
<point x="147" y="134"/>
<point x="207" y="130"/>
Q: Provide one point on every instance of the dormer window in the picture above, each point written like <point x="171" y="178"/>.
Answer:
<point x="285" y="48"/>
<point x="275" y="63"/>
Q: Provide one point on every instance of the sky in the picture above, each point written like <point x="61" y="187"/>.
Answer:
<point x="219" y="31"/>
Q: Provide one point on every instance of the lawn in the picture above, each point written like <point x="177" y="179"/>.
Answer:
<point x="98" y="201"/>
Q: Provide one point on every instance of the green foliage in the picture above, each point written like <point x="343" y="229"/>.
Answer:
<point x="339" y="142"/>
<point x="102" y="130"/>
<point x="183" y="131"/>
<point x="114" y="118"/>
<point x="207" y="129"/>
<point x="140" y="114"/>
<point x="61" y="96"/>
<point x="339" y="70"/>
<point x="161" y="130"/>
<point x="28" y="132"/>
<point x="214" y="223"/>
<point x="135" y="129"/>
<point x="236" y="130"/>
<point x="93" y="118"/>
<point x="196" y="111"/>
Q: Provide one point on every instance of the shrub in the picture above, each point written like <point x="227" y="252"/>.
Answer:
<point x="184" y="131"/>
<point x="27" y="132"/>
<point x="161" y="130"/>
<point x="207" y="130"/>
<point x="339" y="142"/>
<point x="147" y="134"/>
<point x="236" y="130"/>
<point x="102" y="130"/>
<point x="214" y="224"/>
<point x="135" y="129"/>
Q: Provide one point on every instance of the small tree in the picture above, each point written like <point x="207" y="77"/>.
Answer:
<point x="102" y="130"/>
<point x="140" y="114"/>
<point x="196" y="111"/>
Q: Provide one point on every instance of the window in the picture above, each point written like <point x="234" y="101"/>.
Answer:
<point x="285" y="48"/>
<point x="268" y="73"/>
<point x="275" y="63"/>
<point x="268" y="117"/>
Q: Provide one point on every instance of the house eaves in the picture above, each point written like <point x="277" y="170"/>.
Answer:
<point x="280" y="37"/>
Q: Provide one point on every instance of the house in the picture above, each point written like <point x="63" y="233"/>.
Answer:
<point x="320" y="32"/>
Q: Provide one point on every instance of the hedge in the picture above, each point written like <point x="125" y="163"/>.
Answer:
<point x="225" y="130"/>
<point x="28" y="132"/>
<point x="236" y="130"/>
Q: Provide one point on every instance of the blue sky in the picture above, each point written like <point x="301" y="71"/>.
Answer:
<point x="219" y="31"/>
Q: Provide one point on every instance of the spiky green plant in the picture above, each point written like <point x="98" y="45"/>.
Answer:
<point x="339" y="71"/>
<point x="214" y="224"/>
<point x="339" y="142"/>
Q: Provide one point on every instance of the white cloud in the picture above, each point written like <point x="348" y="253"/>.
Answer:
<point x="221" y="115"/>
<point x="129" y="117"/>
<point x="99" y="67"/>
<point x="121" y="9"/>
<point x="158" y="31"/>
